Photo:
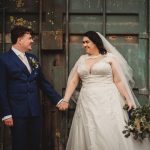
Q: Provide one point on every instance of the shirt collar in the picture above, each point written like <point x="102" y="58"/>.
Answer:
<point x="17" y="52"/>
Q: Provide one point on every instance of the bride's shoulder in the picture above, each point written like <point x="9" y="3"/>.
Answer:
<point x="110" y="55"/>
<point x="110" y="58"/>
<point x="83" y="56"/>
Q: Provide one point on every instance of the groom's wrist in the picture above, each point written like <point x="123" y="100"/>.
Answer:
<point x="6" y="117"/>
<point x="62" y="100"/>
<point x="59" y="102"/>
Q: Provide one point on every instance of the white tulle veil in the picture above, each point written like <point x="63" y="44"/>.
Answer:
<point x="124" y="69"/>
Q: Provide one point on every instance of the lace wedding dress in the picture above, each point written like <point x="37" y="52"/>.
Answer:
<point x="99" y="118"/>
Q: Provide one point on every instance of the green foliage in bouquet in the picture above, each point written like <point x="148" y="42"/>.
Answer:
<point x="139" y="123"/>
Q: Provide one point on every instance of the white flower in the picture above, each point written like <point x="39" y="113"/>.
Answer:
<point x="34" y="63"/>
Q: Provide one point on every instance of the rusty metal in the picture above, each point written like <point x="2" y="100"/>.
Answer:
<point x="51" y="40"/>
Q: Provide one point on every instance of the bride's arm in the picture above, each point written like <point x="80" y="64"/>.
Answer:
<point x="71" y="87"/>
<point x="119" y="83"/>
<point x="73" y="81"/>
<point x="64" y="104"/>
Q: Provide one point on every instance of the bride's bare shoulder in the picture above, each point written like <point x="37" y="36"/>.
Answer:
<point x="110" y="58"/>
<point x="110" y="55"/>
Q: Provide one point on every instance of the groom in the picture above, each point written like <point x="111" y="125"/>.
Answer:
<point x="20" y="78"/>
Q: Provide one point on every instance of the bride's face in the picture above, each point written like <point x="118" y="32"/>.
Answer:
<point x="89" y="46"/>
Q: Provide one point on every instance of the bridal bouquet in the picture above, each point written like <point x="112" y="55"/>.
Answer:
<point x="139" y="122"/>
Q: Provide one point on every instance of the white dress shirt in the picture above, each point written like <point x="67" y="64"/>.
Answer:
<point x="22" y="57"/>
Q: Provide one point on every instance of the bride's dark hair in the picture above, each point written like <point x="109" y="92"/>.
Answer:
<point x="95" y="38"/>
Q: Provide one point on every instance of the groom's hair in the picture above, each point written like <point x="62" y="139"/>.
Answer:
<point x="95" y="38"/>
<point x="19" y="31"/>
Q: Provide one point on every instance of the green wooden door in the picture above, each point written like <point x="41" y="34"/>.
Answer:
<point x="124" y="23"/>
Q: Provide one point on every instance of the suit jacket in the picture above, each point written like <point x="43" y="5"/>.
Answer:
<point x="19" y="94"/>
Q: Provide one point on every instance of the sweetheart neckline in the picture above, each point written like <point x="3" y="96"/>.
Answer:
<point x="90" y="69"/>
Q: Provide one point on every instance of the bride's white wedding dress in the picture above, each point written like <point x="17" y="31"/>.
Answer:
<point x="99" y="118"/>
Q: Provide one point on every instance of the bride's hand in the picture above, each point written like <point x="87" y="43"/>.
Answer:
<point x="130" y="105"/>
<point x="63" y="106"/>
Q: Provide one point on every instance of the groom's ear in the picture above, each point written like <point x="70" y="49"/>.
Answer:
<point x="19" y="40"/>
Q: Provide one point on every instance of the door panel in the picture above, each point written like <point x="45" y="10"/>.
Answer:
<point x="122" y="24"/>
<point x="122" y="6"/>
<point x="80" y="23"/>
<point x="85" y="6"/>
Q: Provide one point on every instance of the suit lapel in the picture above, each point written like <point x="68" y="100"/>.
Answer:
<point x="33" y="70"/>
<point x="18" y="62"/>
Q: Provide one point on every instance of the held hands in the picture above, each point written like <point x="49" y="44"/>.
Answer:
<point x="63" y="105"/>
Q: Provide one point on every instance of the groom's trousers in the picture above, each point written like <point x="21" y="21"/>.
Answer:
<point x="26" y="133"/>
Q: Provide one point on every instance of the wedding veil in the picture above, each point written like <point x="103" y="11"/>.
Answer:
<point x="124" y="70"/>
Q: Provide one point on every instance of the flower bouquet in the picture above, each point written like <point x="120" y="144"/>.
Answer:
<point x="139" y="123"/>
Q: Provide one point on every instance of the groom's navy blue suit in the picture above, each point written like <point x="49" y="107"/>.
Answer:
<point x="19" y="94"/>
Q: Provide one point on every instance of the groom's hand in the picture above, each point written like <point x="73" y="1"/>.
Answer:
<point x="63" y="106"/>
<point x="8" y="122"/>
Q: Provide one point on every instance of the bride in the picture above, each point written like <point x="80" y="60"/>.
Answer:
<point x="99" y="117"/>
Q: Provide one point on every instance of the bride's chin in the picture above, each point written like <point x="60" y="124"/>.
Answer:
<point x="87" y="52"/>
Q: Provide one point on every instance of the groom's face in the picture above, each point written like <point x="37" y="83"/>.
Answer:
<point x="26" y="42"/>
